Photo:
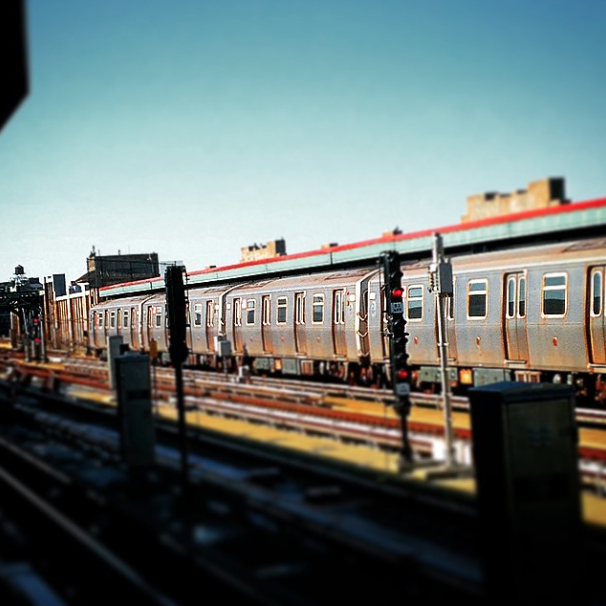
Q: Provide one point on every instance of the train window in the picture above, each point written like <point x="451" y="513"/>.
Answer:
<point x="414" y="302"/>
<point x="450" y="306"/>
<point x="198" y="314"/>
<point x="511" y="297"/>
<point x="158" y="317"/>
<point x="596" y="292"/>
<point x="300" y="308"/>
<point x="210" y="314"/>
<point x="266" y="311"/>
<point x="112" y="319"/>
<point x="282" y="304"/>
<point x="554" y="294"/>
<point x="521" y="297"/>
<point x="339" y="307"/>
<point x="318" y="309"/>
<point x="237" y="312"/>
<point x="125" y="318"/>
<point x="100" y="319"/>
<point x="477" y="297"/>
<point x="250" y="311"/>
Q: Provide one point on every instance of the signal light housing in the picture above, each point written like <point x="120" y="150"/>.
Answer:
<point x="394" y="293"/>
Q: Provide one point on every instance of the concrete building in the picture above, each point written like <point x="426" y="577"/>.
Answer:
<point x="544" y="193"/>
<point x="276" y="248"/>
<point x="114" y="269"/>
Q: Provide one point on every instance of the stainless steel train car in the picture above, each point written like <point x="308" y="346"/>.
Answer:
<point x="531" y="314"/>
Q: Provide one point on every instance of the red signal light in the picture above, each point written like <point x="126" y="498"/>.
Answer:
<point x="36" y="340"/>
<point x="397" y="292"/>
<point x="403" y="375"/>
<point x="36" y="320"/>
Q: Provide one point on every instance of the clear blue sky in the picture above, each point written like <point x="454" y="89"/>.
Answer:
<point x="194" y="127"/>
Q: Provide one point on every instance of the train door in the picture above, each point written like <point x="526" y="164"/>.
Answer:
<point x="166" y="332"/>
<point x="210" y="324"/>
<point x="300" y="333"/>
<point x="237" y="324"/>
<point x="363" y="346"/>
<point x="149" y="324"/>
<point x="384" y="325"/>
<point x="516" y="334"/>
<point x="124" y="320"/>
<point x="134" y="333"/>
<point x="100" y="336"/>
<point x="451" y="333"/>
<point x="596" y="321"/>
<point x="338" y="322"/>
<point x="266" y="323"/>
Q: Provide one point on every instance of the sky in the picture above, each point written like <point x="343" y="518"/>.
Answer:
<point x="192" y="128"/>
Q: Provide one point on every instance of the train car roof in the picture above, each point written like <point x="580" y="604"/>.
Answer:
<point x="519" y="229"/>
<point x="576" y="250"/>
<point x="306" y="280"/>
<point x="126" y="301"/>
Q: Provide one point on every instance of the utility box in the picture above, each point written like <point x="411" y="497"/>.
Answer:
<point x="222" y="346"/>
<point x="525" y="450"/>
<point x="133" y="386"/>
<point x="114" y="349"/>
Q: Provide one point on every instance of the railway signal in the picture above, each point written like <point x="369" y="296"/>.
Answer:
<point x="396" y="330"/>
<point x="177" y="322"/>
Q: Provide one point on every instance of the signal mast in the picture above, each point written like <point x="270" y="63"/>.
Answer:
<point x="395" y="330"/>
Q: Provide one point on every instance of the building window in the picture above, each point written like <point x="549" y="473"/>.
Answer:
<point x="554" y="294"/>
<point x="282" y="305"/>
<point x="198" y="314"/>
<point x="318" y="309"/>
<point x="250" y="311"/>
<point x="414" y="302"/>
<point x="477" y="297"/>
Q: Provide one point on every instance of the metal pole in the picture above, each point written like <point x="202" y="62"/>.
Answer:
<point x="182" y="426"/>
<point x="176" y="307"/>
<point x="440" y="299"/>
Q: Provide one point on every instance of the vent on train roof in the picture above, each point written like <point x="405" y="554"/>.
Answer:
<point x="587" y="245"/>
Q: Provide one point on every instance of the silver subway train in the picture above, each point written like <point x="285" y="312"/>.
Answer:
<point x="531" y="314"/>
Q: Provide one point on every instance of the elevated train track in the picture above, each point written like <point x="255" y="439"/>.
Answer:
<point x="263" y="527"/>
<point x="329" y="410"/>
